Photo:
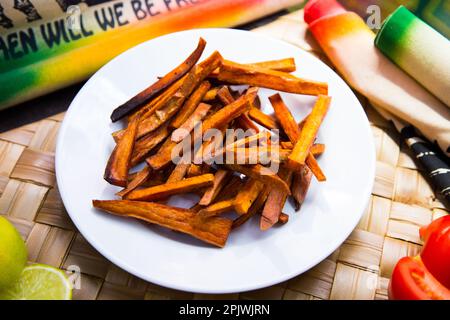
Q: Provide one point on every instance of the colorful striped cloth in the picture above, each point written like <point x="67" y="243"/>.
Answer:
<point x="419" y="50"/>
<point x="349" y="44"/>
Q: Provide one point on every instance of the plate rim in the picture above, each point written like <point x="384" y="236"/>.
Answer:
<point x="127" y="267"/>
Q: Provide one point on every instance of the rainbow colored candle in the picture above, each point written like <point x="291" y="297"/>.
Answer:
<point x="33" y="63"/>
<point x="349" y="44"/>
<point x="419" y="50"/>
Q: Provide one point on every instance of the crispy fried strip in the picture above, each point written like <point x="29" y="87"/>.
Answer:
<point x="116" y="171"/>
<point x="144" y="145"/>
<point x="243" y="120"/>
<point x="316" y="149"/>
<point x="137" y="181"/>
<point x="211" y="94"/>
<point x="300" y="185"/>
<point x="221" y="178"/>
<point x="275" y="202"/>
<point x="159" y="85"/>
<point x="260" y="155"/>
<point x="216" y="209"/>
<point x="192" y="80"/>
<point x="263" y="119"/>
<point x="171" y="188"/>
<point x="262" y="174"/>
<point x="195" y="118"/>
<point x="236" y="73"/>
<point x="227" y="113"/>
<point x="285" y="117"/>
<point x="260" y="137"/>
<point x="214" y="230"/>
<point x="164" y="155"/>
<point x="311" y="162"/>
<point x="283" y="218"/>
<point x="190" y="105"/>
<point x="285" y="65"/>
<point x="179" y="172"/>
<point x="247" y="195"/>
<point x="254" y="209"/>
<point x="308" y="133"/>
<point x="194" y="170"/>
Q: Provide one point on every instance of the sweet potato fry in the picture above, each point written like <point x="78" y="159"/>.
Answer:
<point x="275" y="202"/>
<point x="190" y="105"/>
<point x="194" y="170"/>
<point x="285" y="65"/>
<point x="258" y="138"/>
<point x="311" y="162"/>
<point x="300" y="185"/>
<point x="214" y="230"/>
<point x="308" y="133"/>
<point x="211" y="94"/>
<point x="195" y="118"/>
<point x="159" y="85"/>
<point x="227" y="113"/>
<point x="263" y="119"/>
<point x="262" y="174"/>
<point x="171" y="188"/>
<point x="221" y="178"/>
<point x="179" y="172"/>
<point x="116" y="171"/>
<point x="285" y="117"/>
<point x="243" y="120"/>
<point x="137" y="181"/>
<point x="216" y="209"/>
<point x="316" y="149"/>
<point x="144" y="145"/>
<point x="247" y="195"/>
<point x="192" y="80"/>
<point x="254" y="209"/>
<point x="236" y="73"/>
<point x="261" y="155"/>
<point x="283" y="218"/>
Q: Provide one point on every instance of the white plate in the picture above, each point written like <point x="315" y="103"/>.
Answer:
<point x="251" y="258"/>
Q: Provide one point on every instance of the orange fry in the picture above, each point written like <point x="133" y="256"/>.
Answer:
<point x="221" y="177"/>
<point x="275" y="202"/>
<point x="247" y="195"/>
<point x="137" y="181"/>
<point x="308" y="133"/>
<point x="236" y="73"/>
<point x="116" y="171"/>
<point x="159" y="85"/>
<point x="285" y="117"/>
<point x="147" y="143"/>
<point x="263" y="119"/>
<point x="214" y="230"/>
<point x="216" y="209"/>
<point x="263" y="174"/>
<point x="195" y="118"/>
<point x="300" y="185"/>
<point x="171" y="188"/>
<point x="190" y="105"/>
<point x="179" y="172"/>
<point x="254" y="209"/>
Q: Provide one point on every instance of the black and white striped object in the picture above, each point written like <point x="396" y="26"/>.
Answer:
<point x="432" y="160"/>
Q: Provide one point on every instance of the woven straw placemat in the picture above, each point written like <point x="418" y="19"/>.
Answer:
<point x="401" y="202"/>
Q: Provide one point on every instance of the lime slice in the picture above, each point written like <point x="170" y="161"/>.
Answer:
<point x="39" y="282"/>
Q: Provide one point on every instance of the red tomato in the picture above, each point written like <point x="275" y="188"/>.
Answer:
<point x="436" y="251"/>
<point x="412" y="281"/>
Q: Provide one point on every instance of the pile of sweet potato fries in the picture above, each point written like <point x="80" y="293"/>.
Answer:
<point x="199" y="94"/>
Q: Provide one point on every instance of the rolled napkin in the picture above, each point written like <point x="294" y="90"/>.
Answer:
<point x="349" y="44"/>
<point x="418" y="49"/>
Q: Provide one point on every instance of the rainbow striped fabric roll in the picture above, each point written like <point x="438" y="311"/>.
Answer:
<point x="419" y="50"/>
<point x="349" y="44"/>
<point x="436" y="13"/>
<point x="45" y="55"/>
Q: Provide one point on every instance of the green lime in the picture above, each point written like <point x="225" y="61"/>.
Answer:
<point x="13" y="254"/>
<point x="39" y="282"/>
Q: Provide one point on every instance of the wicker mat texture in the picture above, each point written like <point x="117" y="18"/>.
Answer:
<point x="401" y="202"/>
